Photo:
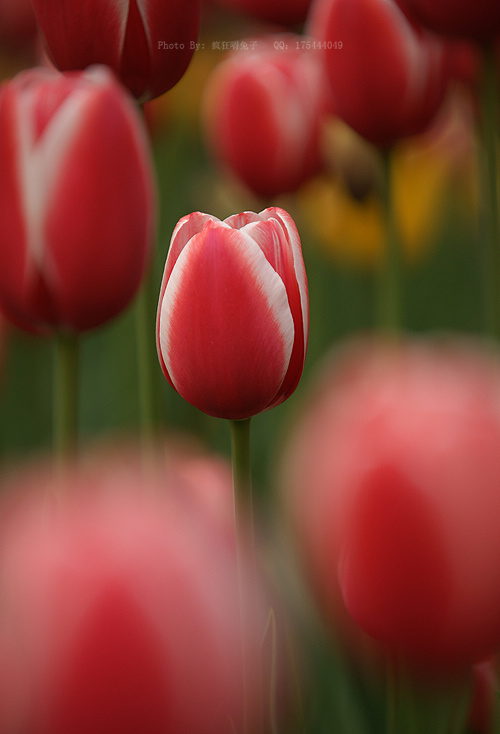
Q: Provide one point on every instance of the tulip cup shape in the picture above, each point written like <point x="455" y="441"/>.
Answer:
<point x="392" y="475"/>
<point x="263" y="114"/>
<point x="387" y="77"/>
<point x="119" y="609"/>
<point x="77" y="199"/>
<point x="233" y="314"/>
<point x="147" y="43"/>
<point x="476" y="20"/>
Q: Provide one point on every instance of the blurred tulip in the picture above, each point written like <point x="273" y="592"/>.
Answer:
<point x="148" y="45"/>
<point x="233" y="313"/>
<point x="120" y="611"/>
<point x="76" y="199"/>
<point x="393" y="477"/>
<point x="473" y="19"/>
<point x="285" y="13"/>
<point x="387" y="78"/>
<point x="263" y="114"/>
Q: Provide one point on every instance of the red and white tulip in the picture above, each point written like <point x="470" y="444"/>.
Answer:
<point x="77" y="199"/>
<point x="233" y="313"/>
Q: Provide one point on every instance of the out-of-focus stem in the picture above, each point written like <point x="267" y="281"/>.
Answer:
<point x="65" y="415"/>
<point x="488" y="168"/>
<point x="388" y="317"/>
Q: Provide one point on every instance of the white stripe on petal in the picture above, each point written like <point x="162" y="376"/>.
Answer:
<point x="40" y="163"/>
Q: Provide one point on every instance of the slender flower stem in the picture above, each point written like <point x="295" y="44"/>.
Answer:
<point x="245" y="541"/>
<point x="389" y="285"/>
<point x="65" y="416"/>
<point x="488" y="168"/>
<point x="144" y="338"/>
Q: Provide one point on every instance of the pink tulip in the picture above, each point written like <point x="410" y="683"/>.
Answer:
<point x="264" y="112"/>
<point x="233" y="315"/>
<point x="386" y="76"/>
<point x="147" y="44"/>
<point x="393" y="476"/>
<point x="477" y="20"/>
<point x="119" y="610"/>
<point x="76" y="199"/>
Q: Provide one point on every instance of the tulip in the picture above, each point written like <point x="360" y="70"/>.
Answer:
<point x="387" y="77"/>
<point x="263" y="114"/>
<point x="286" y="13"/>
<point x="477" y="20"/>
<point x="148" y="45"/>
<point x="76" y="199"/>
<point x="118" y="610"/>
<point x="392" y="475"/>
<point x="233" y="316"/>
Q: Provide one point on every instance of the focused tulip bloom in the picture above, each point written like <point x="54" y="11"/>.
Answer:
<point x="263" y="114"/>
<point x="393" y="477"/>
<point x="233" y="314"/>
<point x="476" y="20"/>
<point x="147" y="44"/>
<point x="119" y="610"/>
<point x="77" y="199"/>
<point x="387" y="77"/>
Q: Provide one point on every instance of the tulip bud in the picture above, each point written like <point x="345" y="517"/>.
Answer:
<point x="233" y="313"/>
<point x="394" y="474"/>
<point x="477" y="20"/>
<point x="148" y="45"/>
<point x="76" y="199"/>
<point x="386" y="76"/>
<point x="119" y="611"/>
<point x="263" y="114"/>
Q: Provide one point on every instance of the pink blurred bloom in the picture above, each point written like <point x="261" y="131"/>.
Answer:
<point x="263" y="114"/>
<point x="77" y="199"/>
<point x="233" y="313"/>
<point x="118" y="609"/>
<point x="393" y="475"/>
<point x="386" y="76"/>
<point x="147" y="44"/>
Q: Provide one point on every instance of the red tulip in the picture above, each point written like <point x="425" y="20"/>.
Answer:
<point x="286" y="13"/>
<point x="394" y="474"/>
<point x="477" y="20"/>
<point x="147" y="44"/>
<point x="76" y="199"/>
<point x="387" y="77"/>
<point x="118" y="612"/>
<point x="264" y="110"/>
<point x="233" y="314"/>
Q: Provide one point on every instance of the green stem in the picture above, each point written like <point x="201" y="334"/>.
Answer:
<point x="65" y="416"/>
<point x="488" y="169"/>
<point x="389" y="284"/>
<point x="144" y="338"/>
<point x="245" y="542"/>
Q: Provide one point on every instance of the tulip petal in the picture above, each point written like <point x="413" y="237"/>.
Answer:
<point x="225" y="329"/>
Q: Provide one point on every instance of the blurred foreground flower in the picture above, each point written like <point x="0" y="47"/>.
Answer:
<point x="76" y="199"/>
<point x="263" y="114"/>
<point x="147" y="45"/>
<point x="233" y="314"/>
<point x="119" y="607"/>
<point x="393" y="476"/>
<point x="387" y="78"/>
